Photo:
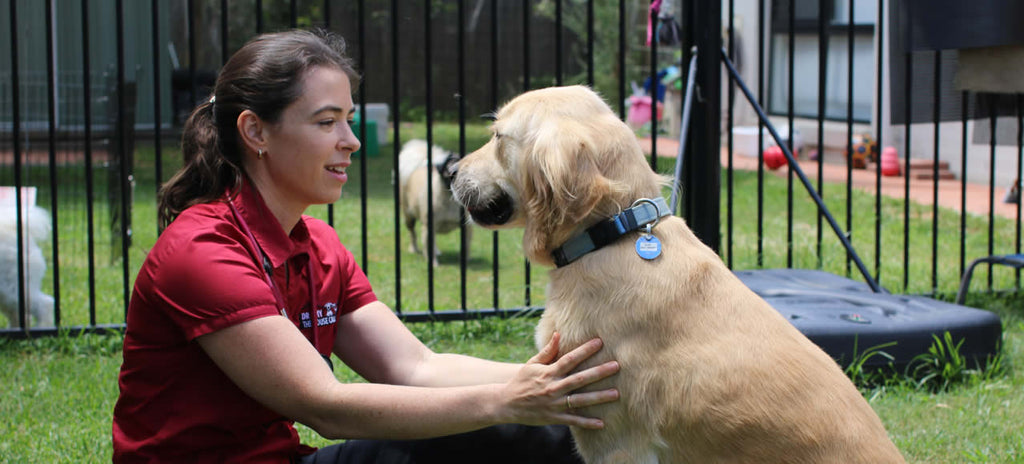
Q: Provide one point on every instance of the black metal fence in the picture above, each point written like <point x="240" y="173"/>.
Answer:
<point x="93" y="94"/>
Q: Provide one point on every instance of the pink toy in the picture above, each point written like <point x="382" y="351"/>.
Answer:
<point x="890" y="162"/>
<point x="640" y="110"/>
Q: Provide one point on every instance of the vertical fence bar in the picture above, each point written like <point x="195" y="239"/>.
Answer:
<point x="879" y="83"/>
<point x="259" y="16"/>
<point x="225" y="53"/>
<point x="395" y="103"/>
<point x="964" y="99"/>
<point x="729" y="140"/>
<point x="154" y="7"/>
<point x="822" y="69"/>
<point x="590" y="43"/>
<point x="849" y="129"/>
<point x="526" y="87"/>
<point x="936" y="106"/>
<point x="908" y="59"/>
<point x="89" y="187"/>
<point x="363" y="127"/>
<point x="191" y="31"/>
<point x="558" y="42"/>
<point x="1017" y="183"/>
<point x="791" y="89"/>
<point x="461" y="101"/>
<point x="124" y="159"/>
<point x="494" y="105"/>
<point x="760" y="134"/>
<point x="622" y="59"/>
<point x="51" y="135"/>
<point x="429" y="97"/>
<point x="652" y="18"/>
<point x="20" y="214"/>
<point x="993" y="104"/>
<point x="293" y="14"/>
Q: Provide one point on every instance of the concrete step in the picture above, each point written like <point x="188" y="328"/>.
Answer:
<point x="924" y="169"/>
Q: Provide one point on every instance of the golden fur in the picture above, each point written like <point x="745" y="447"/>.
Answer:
<point x="710" y="373"/>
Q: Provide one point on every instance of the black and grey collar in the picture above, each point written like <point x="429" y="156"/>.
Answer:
<point x="644" y="211"/>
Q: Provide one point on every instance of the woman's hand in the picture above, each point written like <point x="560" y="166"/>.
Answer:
<point x="541" y="392"/>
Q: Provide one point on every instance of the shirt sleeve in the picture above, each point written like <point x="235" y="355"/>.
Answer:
<point x="208" y="283"/>
<point x="356" y="291"/>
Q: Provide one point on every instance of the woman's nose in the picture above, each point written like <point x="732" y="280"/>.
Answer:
<point x="349" y="140"/>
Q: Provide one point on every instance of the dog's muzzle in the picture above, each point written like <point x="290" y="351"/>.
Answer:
<point x="493" y="212"/>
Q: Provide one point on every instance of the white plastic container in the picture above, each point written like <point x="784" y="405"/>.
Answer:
<point x="378" y="113"/>
<point x="744" y="139"/>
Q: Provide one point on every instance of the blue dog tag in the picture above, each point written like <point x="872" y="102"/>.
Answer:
<point x="648" y="246"/>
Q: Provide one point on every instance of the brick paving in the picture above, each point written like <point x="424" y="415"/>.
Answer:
<point x="921" y="190"/>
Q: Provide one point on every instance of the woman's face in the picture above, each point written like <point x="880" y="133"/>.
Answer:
<point x="311" y="146"/>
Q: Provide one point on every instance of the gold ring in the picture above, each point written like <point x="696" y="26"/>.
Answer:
<point x="568" y="402"/>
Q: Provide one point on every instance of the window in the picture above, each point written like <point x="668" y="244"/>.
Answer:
<point x="806" y="42"/>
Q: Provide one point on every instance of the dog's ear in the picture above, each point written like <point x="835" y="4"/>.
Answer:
<point x="562" y="183"/>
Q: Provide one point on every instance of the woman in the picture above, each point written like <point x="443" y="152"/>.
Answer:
<point x="242" y="299"/>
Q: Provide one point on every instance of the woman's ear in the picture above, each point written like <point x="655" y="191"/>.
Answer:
<point x="250" y="130"/>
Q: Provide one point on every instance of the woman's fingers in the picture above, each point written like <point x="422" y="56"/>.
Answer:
<point x="594" y="398"/>
<point x="576" y="401"/>
<point x="549" y="353"/>
<point x="589" y="376"/>
<point x="570" y="360"/>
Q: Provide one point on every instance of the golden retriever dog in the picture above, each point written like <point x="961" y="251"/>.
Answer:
<point x="413" y="169"/>
<point x="710" y="373"/>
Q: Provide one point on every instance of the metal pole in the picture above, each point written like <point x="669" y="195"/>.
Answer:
<point x="703" y="166"/>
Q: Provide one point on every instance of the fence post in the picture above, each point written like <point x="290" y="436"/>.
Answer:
<point x="702" y="173"/>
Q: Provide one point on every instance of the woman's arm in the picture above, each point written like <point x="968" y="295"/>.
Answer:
<point x="376" y="344"/>
<point x="270" y="360"/>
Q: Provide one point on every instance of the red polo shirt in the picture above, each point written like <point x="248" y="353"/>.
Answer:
<point x="202" y="275"/>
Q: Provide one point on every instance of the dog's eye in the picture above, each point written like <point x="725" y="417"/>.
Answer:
<point x="489" y="116"/>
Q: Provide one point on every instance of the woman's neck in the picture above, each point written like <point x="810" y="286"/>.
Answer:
<point x="287" y="215"/>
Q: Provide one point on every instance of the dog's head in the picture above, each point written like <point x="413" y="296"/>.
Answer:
<point x="559" y="161"/>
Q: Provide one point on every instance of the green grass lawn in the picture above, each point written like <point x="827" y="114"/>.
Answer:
<point x="59" y="392"/>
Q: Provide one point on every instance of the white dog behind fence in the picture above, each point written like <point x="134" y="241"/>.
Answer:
<point x="413" y="169"/>
<point x="35" y="226"/>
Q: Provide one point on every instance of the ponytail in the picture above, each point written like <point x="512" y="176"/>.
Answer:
<point x="208" y="171"/>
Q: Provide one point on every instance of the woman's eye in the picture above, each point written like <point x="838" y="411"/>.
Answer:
<point x="327" y="122"/>
<point x="351" y="122"/>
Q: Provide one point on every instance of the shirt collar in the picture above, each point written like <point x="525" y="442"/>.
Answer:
<point x="268" y="232"/>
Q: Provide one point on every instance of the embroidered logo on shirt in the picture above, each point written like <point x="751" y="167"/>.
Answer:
<point x="326" y="315"/>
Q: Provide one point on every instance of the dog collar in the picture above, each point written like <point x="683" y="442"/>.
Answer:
<point x="644" y="211"/>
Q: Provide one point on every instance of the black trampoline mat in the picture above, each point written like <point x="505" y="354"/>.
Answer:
<point x="845" y="318"/>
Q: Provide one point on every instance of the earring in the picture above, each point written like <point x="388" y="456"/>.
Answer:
<point x="259" y="153"/>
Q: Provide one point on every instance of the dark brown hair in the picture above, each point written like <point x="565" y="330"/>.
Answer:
<point x="264" y="76"/>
